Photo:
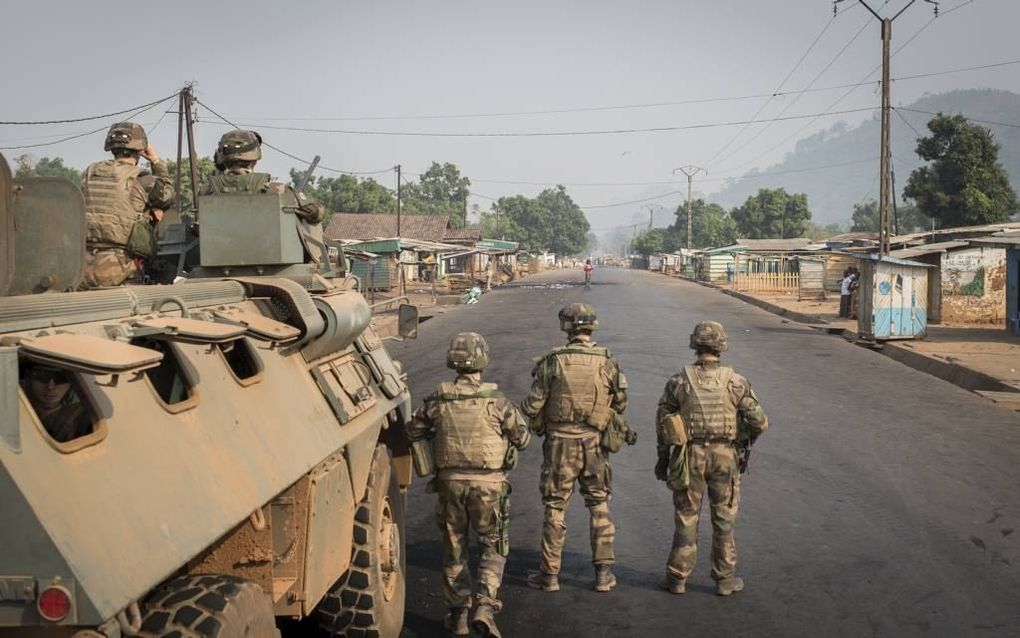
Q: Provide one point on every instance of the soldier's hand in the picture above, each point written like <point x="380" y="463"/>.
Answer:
<point x="630" y="437"/>
<point x="662" y="468"/>
<point x="156" y="214"/>
<point x="150" y="154"/>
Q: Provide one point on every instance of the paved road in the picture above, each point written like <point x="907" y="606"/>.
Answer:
<point x="882" y="501"/>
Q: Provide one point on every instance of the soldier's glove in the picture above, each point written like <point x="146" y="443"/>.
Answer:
<point x="662" y="467"/>
<point x="630" y="437"/>
<point x="310" y="212"/>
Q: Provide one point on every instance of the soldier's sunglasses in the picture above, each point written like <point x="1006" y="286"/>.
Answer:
<point x="45" y="376"/>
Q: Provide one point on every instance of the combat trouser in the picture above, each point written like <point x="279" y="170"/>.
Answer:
<point x="465" y="505"/>
<point x="713" y="466"/>
<point x="107" y="267"/>
<point x="568" y="461"/>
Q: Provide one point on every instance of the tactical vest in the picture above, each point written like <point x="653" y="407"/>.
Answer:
<point x="581" y="393"/>
<point x="109" y="212"/>
<point x="227" y="182"/>
<point x="470" y="435"/>
<point x="708" y="406"/>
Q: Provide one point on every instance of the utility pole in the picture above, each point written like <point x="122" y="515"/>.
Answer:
<point x="498" y="230"/>
<point x="650" y="212"/>
<point x="180" y="150"/>
<point x="397" y="168"/>
<point x="189" y="121"/>
<point x="690" y="171"/>
<point x="886" y="194"/>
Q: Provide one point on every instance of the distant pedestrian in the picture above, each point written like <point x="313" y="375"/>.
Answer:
<point x="588" y="268"/>
<point x="845" y="292"/>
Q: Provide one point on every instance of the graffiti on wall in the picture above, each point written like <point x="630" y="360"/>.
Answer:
<point x="965" y="272"/>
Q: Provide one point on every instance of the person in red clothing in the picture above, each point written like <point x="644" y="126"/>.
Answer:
<point x="588" y="268"/>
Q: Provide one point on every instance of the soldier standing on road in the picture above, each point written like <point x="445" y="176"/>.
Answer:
<point x="577" y="391"/>
<point x="123" y="203"/>
<point x="707" y="421"/>
<point x="475" y="434"/>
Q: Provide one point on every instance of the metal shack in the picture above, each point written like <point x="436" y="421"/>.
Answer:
<point x="893" y="298"/>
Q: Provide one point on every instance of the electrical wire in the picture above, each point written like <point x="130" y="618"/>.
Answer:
<point x="90" y="117"/>
<point x="86" y="133"/>
<point x="907" y="122"/>
<point x="291" y="155"/>
<point x="762" y="108"/>
<point x="623" y="131"/>
<point x="969" y="119"/>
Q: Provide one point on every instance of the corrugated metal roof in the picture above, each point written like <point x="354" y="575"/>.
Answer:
<point x="928" y="249"/>
<point x="799" y="243"/>
<point x="376" y="226"/>
<point x="1003" y="240"/>
<point x="894" y="260"/>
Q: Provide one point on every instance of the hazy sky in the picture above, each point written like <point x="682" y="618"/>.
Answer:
<point x="312" y="63"/>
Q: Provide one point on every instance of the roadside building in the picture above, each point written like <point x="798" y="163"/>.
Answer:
<point x="893" y="298"/>
<point x="1009" y="242"/>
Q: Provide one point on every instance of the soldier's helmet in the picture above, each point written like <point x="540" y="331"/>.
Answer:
<point x="126" y="135"/>
<point x="239" y="145"/>
<point x="709" y="335"/>
<point x="578" y="316"/>
<point x="468" y="353"/>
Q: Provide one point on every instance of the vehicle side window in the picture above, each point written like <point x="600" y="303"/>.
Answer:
<point x="242" y="359"/>
<point x="172" y="380"/>
<point x="58" y="399"/>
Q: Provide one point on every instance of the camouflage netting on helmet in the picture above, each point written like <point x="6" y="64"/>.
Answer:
<point x="709" y="335"/>
<point x="468" y="352"/>
<point x="578" y="316"/>
<point x="126" y="135"/>
<point x="238" y="145"/>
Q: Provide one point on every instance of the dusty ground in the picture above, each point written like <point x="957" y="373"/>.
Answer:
<point x="882" y="501"/>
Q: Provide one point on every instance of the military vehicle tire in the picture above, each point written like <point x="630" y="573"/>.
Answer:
<point x="368" y="601"/>
<point x="208" y="606"/>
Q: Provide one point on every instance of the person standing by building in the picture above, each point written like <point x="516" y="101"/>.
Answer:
<point x="468" y="434"/>
<point x="577" y="391"/>
<point x="708" y="419"/>
<point x="844" y="293"/>
<point x="123" y="204"/>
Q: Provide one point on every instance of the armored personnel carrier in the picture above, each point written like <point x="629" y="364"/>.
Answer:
<point x="207" y="458"/>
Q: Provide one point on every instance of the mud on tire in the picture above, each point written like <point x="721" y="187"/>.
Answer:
<point x="208" y="606"/>
<point x="368" y="601"/>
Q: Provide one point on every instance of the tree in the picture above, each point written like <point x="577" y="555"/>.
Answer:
<point x="772" y="213"/>
<point x="865" y="217"/>
<point x="441" y="190"/>
<point x="650" y="241"/>
<point x="46" y="167"/>
<point x="347" y="193"/>
<point x="551" y="222"/>
<point x="205" y="168"/>
<point x="964" y="184"/>
<point x="712" y="226"/>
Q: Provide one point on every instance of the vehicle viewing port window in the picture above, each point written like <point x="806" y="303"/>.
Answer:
<point x="60" y="402"/>
<point x="172" y="380"/>
<point x="242" y="360"/>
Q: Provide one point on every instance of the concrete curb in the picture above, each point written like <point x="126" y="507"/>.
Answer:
<point x="960" y="376"/>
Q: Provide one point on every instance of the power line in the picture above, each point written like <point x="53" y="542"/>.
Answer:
<point x="291" y="155"/>
<point x="90" y="117"/>
<point x="969" y="119"/>
<point x="907" y="122"/>
<point x="86" y="133"/>
<point x="762" y="108"/>
<point x="790" y="104"/>
<point x="623" y="131"/>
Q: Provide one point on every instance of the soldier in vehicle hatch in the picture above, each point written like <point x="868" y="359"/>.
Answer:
<point x="471" y="434"/>
<point x="123" y="204"/>
<point x="707" y="421"/>
<point x="56" y="403"/>
<point x="577" y="392"/>
<point x="236" y="155"/>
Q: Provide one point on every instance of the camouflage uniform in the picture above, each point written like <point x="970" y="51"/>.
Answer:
<point x="119" y="195"/>
<point x="471" y="427"/>
<point x="572" y="454"/>
<point x="716" y="406"/>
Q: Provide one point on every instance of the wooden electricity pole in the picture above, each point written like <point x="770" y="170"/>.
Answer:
<point x="690" y="171"/>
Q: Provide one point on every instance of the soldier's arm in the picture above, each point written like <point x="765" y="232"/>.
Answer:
<point x="669" y="407"/>
<point x="619" y="387"/>
<point x="532" y="404"/>
<point x="161" y="193"/>
<point x="750" y="410"/>
<point x="423" y="422"/>
<point x="311" y="212"/>
<point x="515" y="426"/>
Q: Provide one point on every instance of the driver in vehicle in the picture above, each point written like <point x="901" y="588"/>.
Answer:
<point x="56" y="403"/>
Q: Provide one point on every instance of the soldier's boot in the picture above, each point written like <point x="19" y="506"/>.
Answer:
<point x="673" y="584"/>
<point x="457" y="622"/>
<point x="543" y="581"/>
<point x="729" y="586"/>
<point x="604" y="578"/>
<point x="484" y="621"/>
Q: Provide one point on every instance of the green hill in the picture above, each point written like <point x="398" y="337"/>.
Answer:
<point x="833" y="192"/>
